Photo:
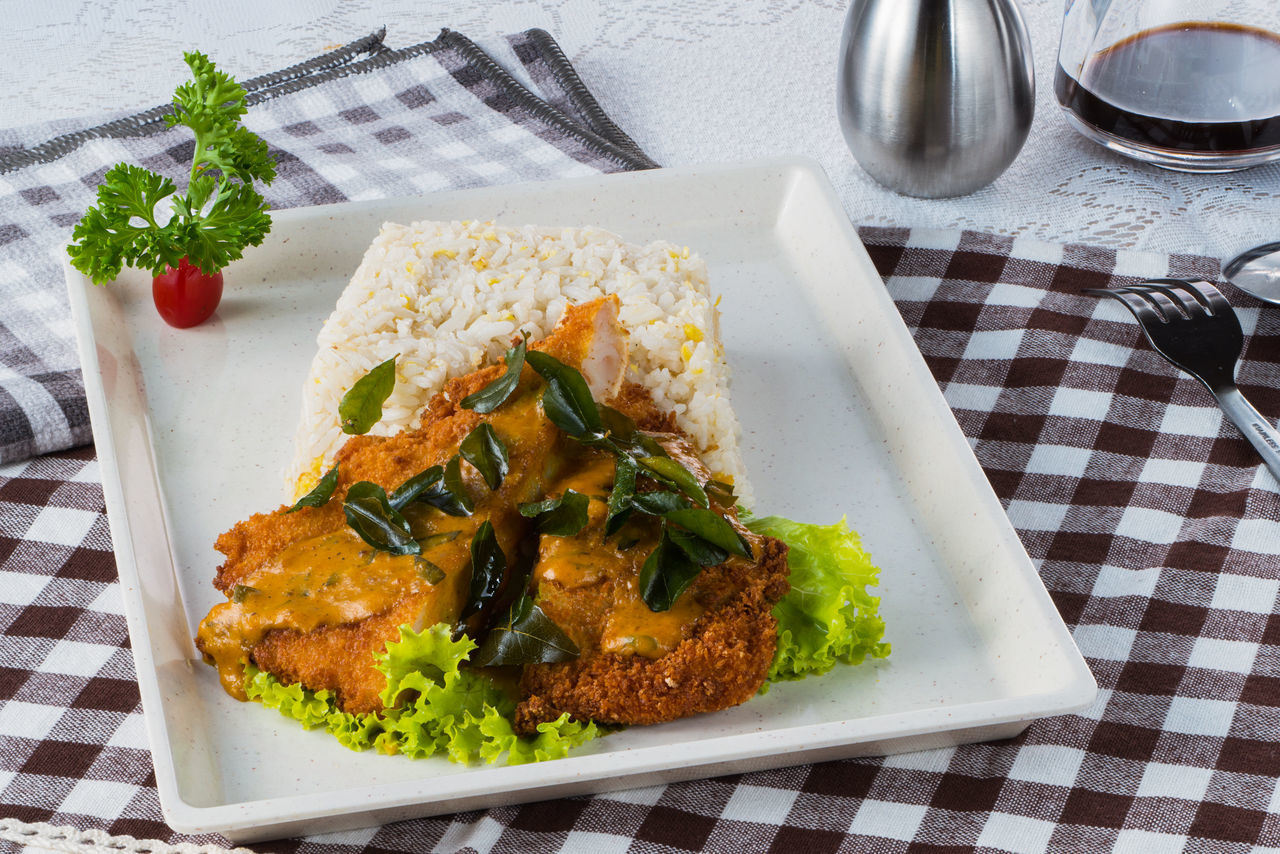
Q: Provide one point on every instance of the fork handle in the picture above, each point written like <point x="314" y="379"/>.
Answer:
<point x="1264" y="438"/>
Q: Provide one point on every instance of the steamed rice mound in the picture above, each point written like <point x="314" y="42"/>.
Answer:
<point x="447" y="297"/>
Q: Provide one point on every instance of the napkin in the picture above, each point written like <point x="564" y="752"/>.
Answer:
<point x="364" y="121"/>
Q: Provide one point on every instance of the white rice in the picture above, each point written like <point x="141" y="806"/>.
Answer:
<point x="446" y="297"/>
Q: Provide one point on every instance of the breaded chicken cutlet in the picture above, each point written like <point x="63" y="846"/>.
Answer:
<point x="312" y="602"/>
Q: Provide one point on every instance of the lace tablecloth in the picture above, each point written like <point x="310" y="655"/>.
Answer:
<point x="693" y="82"/>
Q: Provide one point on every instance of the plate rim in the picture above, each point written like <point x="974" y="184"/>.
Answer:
<point x="1075" y="694"/>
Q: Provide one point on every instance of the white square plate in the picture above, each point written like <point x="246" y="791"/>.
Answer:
<point x="841" y="417"/>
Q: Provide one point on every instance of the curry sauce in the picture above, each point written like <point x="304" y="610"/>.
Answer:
<point x="591" y="559"/>
<point x="313" y="603"/>
<point x="337" y="579"/>
<point x="322" y="581"/>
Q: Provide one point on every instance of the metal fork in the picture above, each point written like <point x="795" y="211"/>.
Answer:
<point x="1193" y="326"/>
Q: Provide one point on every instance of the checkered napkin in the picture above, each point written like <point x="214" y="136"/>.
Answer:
<point x="1151" y="521"/>
<point x="362" y="122"/>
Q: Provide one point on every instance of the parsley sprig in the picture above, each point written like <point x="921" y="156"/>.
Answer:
<point x="221" y="212"/>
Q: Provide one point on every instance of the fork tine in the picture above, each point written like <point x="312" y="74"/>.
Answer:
<point x="1166" y="309"/>
<point x="1141" y="309"/>
<point x="1192" y="303"/>
<point x="1212" y="297"/>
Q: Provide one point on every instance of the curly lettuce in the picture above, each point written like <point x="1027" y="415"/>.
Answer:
<point x="433" y="706"/>
<point x="828" y="616"/>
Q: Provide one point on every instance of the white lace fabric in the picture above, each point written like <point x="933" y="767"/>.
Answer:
<point x="40" y="837"/>
<point x="703" y="82"/>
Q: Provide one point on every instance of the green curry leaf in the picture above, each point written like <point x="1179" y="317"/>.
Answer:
<point x="567" y="399"/>
<point x="454" y="499"/>
<point x="564" y="516"/>
<point x="239" y="592"/>
<point x="320" y="493"/>
<point x="700" y="551"/>
<point x="712" y="527"/>
<point x="488" y="570"/>
<point x="495" y="393"/>
<point x="659" y="502"/>
<point x="666" y="573"/>
<point x="361" y="407"/>
<point x="525" y="635"/>
<point x="624" y="486"/>
<point x="668" y="472"/>
<point x="423" y="482"/>
<point x="484" y="450"/>
<point x="370" y="514"/>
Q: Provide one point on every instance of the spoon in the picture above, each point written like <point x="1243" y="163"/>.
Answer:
<point x="1256" y="271"/>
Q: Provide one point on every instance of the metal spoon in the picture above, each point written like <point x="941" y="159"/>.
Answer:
<point x="1256" y="271"/>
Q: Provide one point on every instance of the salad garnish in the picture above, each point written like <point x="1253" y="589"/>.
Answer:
<point x="196" y="234"/>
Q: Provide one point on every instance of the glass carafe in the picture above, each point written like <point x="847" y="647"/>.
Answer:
<point x="1192" y="85"/>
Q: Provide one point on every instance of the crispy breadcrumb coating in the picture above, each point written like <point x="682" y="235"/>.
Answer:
<point x="717" y="657"/>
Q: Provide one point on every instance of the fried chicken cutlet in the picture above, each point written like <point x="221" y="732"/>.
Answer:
<point x="312" y="603"/>
<point x="711" y="650"/>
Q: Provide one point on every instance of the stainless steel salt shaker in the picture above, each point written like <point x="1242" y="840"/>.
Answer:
<point x="935" y="96"/>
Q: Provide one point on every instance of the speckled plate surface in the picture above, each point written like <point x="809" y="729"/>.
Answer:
<point x="841" y="418"/>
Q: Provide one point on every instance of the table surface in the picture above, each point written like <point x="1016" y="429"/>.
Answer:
<point x="692" y="82"/>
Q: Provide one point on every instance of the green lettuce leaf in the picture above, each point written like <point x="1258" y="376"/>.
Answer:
<point x="828" y="616"/>
<point x="434" y="706"/>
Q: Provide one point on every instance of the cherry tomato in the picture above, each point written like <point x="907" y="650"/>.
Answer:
<point x="186" y="296"/>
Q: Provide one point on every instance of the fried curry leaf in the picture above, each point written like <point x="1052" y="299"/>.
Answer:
<point x="495" y="393"/>
<point x="670" y="473"/>
<point x="423" y="482"/>
<point x="429" y="571"/>
<point x="626" y="437"/>
<point x="619" y="425"/>
<point x="240" y="591"/>
<point x="627" y="542"/>
<point x="721" y="492"/>
<point x="712" y="527"/>
<point x="320" y="493"/>
<point x="647" y="444"/>
<point x="666" y="573"/>
<point x="432" y="486"/>
<point x="484" y="450"/>
<point x="488" y="570"/>
<point x="564" y="516"/>
<point x="624" y="486"/>
<point x="529" y="509"/>
<point x="622" y="436"/>
<point x="700" y="551"/>
<point x="525" y="635"/>
<point x="614" y="524"/>
<point x="658" y="502"/>
<point x="370" y="514"/>
<point x="454" y="500"/>
<point x="567" y="399"/>
<point x="433" y="540"/>
<point x="361" y="407"/>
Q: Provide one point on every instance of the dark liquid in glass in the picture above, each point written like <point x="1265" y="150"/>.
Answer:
<point x="1186" y="87"/>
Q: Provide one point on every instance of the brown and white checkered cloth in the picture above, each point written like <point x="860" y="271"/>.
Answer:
<point x="1153" y="525"/>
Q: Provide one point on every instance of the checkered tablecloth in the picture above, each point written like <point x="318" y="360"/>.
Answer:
<point x="1150" y="519"/>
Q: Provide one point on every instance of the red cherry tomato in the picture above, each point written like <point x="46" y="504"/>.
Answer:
<point x="186" y="296"/>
